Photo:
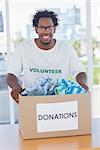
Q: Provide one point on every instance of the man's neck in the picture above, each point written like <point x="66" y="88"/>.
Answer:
<point x="45" y="46"/>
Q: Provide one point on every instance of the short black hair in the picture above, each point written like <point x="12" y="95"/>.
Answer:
<point x="45" y="14"/>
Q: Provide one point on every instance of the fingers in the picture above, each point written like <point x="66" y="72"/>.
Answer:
<point x="85" y="87"/>
<point x="14" y="94"/>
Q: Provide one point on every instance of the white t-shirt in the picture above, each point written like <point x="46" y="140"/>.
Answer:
<point x="58" y="62"/>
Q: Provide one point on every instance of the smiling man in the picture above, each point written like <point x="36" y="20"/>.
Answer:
<point x="44" y="56"/>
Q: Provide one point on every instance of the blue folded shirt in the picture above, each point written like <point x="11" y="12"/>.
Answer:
<point x="65" y="86"/>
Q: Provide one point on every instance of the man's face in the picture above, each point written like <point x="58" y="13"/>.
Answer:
<point x="45" y="30"/>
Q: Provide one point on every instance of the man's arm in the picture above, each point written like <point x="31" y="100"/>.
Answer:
<point x="81" y="78"/>
<point x="12" y="81"/>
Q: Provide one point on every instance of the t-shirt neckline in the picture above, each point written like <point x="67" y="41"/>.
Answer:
<point x="41" y="50"/>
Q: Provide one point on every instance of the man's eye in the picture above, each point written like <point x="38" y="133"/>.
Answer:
<point x="49" y="27"/>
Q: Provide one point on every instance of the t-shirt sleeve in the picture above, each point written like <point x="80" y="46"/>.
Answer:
<point x="15" y="65"/>
<point x="75" y="64"/>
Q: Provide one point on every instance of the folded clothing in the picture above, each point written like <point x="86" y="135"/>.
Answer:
<point x="65" y="86"/>
<point x="43" y="86"/>
<point x="47" y="86"/>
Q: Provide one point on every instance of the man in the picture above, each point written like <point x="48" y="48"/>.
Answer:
<point x="44" y="56"/>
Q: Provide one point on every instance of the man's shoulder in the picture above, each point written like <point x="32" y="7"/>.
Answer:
<point x="64" y="43"/>
<point x="24" y="43"/>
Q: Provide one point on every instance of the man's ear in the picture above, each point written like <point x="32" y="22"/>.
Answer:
<point x="36" y="30"/>
<point x="54" y="29"/>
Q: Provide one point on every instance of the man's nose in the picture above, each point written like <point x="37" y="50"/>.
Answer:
<point x="46" y="28"/>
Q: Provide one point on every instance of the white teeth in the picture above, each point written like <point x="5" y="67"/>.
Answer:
<point x="45" y="37"/>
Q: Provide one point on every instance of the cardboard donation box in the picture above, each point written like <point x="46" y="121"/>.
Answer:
<point x="54" y="116"/>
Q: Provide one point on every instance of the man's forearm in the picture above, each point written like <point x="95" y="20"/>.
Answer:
<point x="12" y="81"/>
<point x="81" y="78"/>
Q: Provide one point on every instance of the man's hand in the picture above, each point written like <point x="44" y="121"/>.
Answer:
<point x="15" y="92"/>
<point x="12" y="81"/>
<point x="81" y="78"/>
<point x="84" y="86"/>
